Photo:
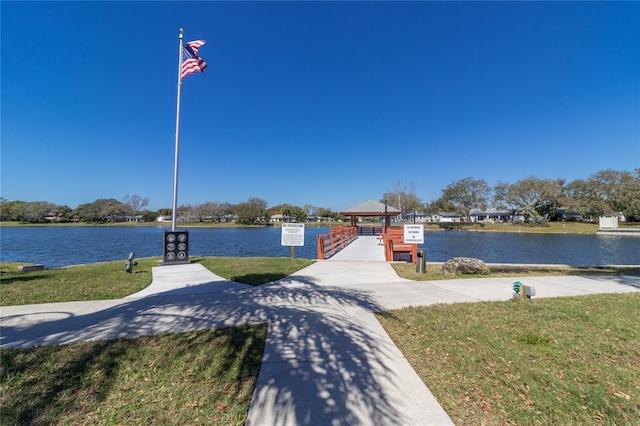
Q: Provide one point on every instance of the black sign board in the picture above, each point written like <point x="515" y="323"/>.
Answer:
<point x="176" y="247"/>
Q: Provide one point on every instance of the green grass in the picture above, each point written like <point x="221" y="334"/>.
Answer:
<point x="200" y="377"/>
<point x="107" y="280"/>
<point x="569" y="361"/>
<point x="547" y="228"/>
<point x="97" y="281"/>
<point x="254" y="270"/>
<point x="434" y="271"/>
<point x="561" y="361"/>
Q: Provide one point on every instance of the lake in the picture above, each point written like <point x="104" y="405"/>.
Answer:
<point x="64" y="246"/>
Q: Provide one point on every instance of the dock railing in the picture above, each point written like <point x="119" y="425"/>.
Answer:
<point x="394" y="244"/>
<point x="338" y="238"/>
<point x="370" y="229"/>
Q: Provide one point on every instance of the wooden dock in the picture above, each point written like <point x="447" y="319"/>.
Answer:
<point x="365" y="248"/>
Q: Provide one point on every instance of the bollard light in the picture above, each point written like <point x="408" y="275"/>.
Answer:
<point x="524" y="292"/>
<point x="516" y="287"/>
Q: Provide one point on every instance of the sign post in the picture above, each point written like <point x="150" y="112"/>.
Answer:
<point x="414" y="234"/>
<point x="292" y="235"/>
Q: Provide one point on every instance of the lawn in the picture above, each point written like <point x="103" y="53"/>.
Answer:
<point x="254" y="270"/>
<point x="561" y="361"/>
<point x="107" y="280"/>
<point x="203" y="377"/>
<point x="569" y="361"/>
<point x="199" y="377"/>
<point x="434" y="271"/>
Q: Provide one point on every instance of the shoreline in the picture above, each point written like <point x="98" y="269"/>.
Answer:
<point x="568" y="228"/>
<point x="428" y="226"/>
<point x="629" y="232"/>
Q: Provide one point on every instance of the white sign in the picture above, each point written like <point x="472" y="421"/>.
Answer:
<point x="292" y="234"/>
<point x="414" y="234"/>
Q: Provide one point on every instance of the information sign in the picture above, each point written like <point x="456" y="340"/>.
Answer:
<point x="292" y="234"/>
<point x="414" y="234"/>
<point x="176" y="247"/>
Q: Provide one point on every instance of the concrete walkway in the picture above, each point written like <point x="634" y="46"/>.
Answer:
<point x="327" y="360"/>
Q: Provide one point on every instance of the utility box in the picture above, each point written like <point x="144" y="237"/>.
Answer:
<point x="421" y="262"/>
<point x="608" y="222"/>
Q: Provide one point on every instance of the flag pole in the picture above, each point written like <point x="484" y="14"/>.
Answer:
<point x="174" y="210"/>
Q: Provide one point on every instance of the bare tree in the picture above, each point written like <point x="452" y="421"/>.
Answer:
<point x="403" y="197"/>
<point x="188" y="213"/>
<point x="134" y="203"/>
<point x="310" y="209"/>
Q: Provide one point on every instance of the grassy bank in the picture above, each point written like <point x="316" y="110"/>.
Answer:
<point x="201" y="377"/>
<point x="107" y="280"/>
<point x="547" y="228"/>
<point x="434" y="271"/>
<point x="564" y="361"/>
<point x="97" y="281"/>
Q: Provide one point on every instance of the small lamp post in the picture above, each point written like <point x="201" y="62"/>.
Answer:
<point x="386" y="218"/>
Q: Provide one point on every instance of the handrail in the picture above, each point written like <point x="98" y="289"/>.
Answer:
<point x="338" y="238"/>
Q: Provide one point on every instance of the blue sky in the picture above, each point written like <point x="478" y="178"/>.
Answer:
<point x="320" y="103"/>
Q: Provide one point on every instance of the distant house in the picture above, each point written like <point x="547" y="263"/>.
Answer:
<point x="415" y="216"/>
<point x="319" y="219"/>
<point x="446" y="217"/>
<point x="280" y="218"/>
<point x="491" y="215"/>
<point x="566" y="214"/>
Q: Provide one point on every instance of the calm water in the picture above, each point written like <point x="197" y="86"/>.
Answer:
<point x="63" y="246"/>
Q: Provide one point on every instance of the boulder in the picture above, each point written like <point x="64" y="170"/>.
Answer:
<point x="465" y="265"/>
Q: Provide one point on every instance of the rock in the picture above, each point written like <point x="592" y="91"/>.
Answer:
<point x="465" y="265"/>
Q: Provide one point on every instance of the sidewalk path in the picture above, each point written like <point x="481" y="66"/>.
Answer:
<point x="327" y="360"/>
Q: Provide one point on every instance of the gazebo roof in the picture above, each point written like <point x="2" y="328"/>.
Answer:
<point x="370" y="208"/>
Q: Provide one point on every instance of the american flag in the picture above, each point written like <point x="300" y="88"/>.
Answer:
<point x="191" y="62"/>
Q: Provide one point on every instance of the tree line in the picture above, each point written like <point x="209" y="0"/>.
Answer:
<point x="132" y="208"/>
<point x="607" y="192"/>
<point x="101" y="210"/>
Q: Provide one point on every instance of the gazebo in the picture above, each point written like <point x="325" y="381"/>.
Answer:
<point x="371" y="208"/>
